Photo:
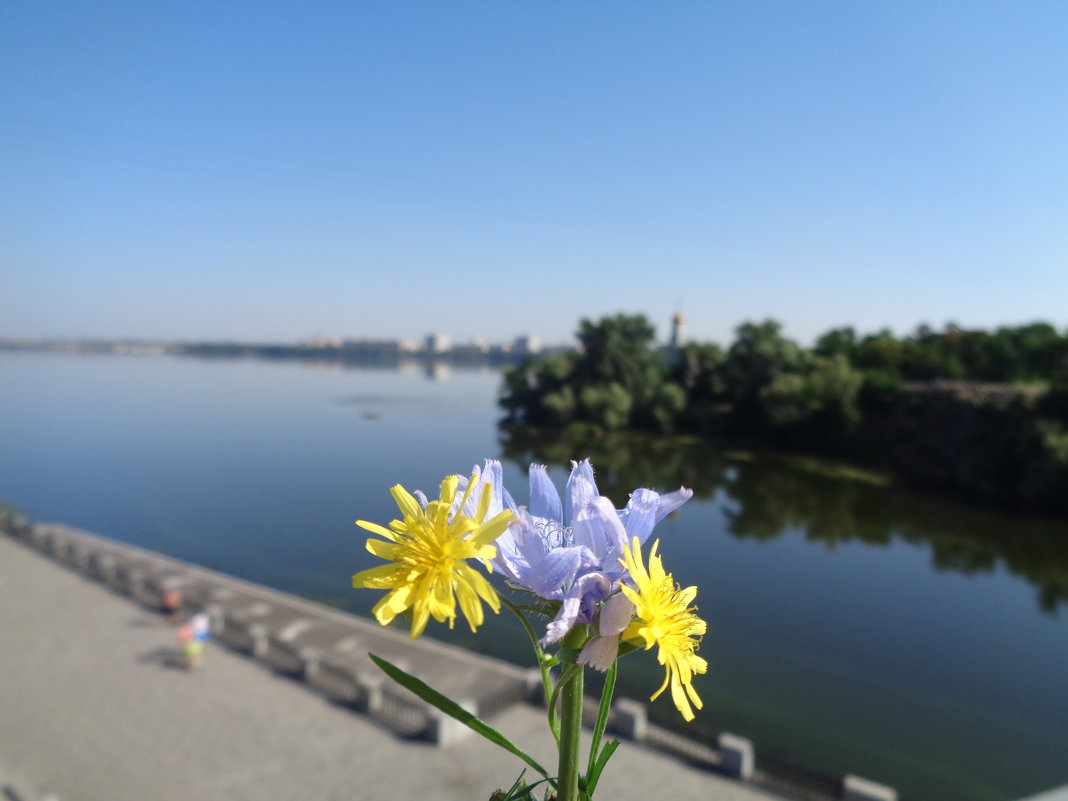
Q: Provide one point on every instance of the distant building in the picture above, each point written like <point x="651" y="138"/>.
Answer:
<point x="678" y="332"/>
<point x="526" y="345"/>
<point x="438" y="343"/>
<point x="374" y="347"/>
<point x="471" y="350"/>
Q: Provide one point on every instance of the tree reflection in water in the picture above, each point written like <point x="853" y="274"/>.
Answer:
<point x="766" y="494"/>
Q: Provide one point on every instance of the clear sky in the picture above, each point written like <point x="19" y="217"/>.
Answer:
<point x="278" y="171"/>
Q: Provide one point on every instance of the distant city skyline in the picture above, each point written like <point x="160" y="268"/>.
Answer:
<point x="281" y="173"/>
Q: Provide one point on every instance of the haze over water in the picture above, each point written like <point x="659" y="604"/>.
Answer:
<point x="852" y="628"/>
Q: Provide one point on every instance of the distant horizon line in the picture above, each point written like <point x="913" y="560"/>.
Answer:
<point x="415" y="344"/>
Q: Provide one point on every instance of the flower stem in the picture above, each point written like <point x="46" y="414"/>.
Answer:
<point x="570" y="717"/>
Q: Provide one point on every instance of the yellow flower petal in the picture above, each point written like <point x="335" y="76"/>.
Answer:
<point x="470" y="605"/>
<point x="377" y="529"/>
<point x="391" y="605"/>
<point x="406" y="502"/>
<point x="665" y="618"/>
<point x="375" y="578"/>
<point x="384" y="550"/>
<point x="426" y="551"/>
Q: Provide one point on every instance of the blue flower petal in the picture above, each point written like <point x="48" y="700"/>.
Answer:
<point x="600" y="521"/>
<point x="558" y="567"/>
<point x="640" y="515"/>
<point x="562" y="623"/>
<point x="579" y="606"/>
<point x="544" y="499"/>
<point x="518" y="548"/>
<point x="570" y="554"/>
<point x="588" y="528"/>
<point x="672" y="501"/>
<point x="581" y="487"/>
<point x="500" y="499"/>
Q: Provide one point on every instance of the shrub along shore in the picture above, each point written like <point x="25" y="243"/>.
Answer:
<point x="981" y="414"/>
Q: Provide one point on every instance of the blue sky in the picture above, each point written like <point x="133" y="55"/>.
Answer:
<point x="279" y="171"/>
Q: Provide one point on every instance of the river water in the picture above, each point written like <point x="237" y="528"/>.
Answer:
<point x="853" y="628"/>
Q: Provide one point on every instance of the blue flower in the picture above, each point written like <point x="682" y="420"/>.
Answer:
<point x="570" y="550"/>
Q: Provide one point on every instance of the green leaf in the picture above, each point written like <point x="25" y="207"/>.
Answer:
<point x="602" y="716"/>
<point x="454" y="710"/>
<point x="520" y="791"/>
<point x="554" y="720"/>
<point x="595" y="774"/>
<point x="548" y="610"/>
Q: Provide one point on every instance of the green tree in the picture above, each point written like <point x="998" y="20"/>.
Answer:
<point x="606" y="405"/>
<point x="698" y="371"/>
<point x="881" y="351"/>
<point x="758" y="356"/>
<point x="621" y="376"/>
<point x="538" y="392"/>
<point x="617" y="349"/>
<point x="617" y="380"/>
<point x="821" y="396"/>
<point x="839" y="341"/>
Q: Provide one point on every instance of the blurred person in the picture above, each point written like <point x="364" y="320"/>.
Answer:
<point x="192" y="646"/>
<point x="172" y="604"/>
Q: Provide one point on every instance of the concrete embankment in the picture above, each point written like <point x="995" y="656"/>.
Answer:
<point x="94" y="703"/>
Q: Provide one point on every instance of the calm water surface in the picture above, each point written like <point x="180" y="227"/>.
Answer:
<point x="851" y="628"/>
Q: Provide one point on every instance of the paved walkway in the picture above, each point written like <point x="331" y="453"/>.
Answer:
<point x="92" y="709"/>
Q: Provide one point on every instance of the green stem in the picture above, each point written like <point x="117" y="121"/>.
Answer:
<point x="570" y="717"/>
<point x="544" y="664"/>
<point x="599" y="728"/>
<point x="554" y="700"/>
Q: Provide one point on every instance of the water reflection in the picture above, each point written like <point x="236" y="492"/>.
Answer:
<point x="622" y="461"/>
<point x="767" y="494"/>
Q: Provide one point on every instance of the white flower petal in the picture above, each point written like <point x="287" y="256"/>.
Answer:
<point x="600" y="652"/>
<point x="616" y="615"/>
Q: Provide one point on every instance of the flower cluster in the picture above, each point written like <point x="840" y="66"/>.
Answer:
<point x="579" y="554"/>
<point x="426" y="553"/>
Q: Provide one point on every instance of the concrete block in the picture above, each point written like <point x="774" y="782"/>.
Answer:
<point x="133" y="583"/>
<point x="444" y="729"/>
<point x="403" y="712"/>
<point x="103" y="567"/>
<point x="217" y="616"/>
<point x="292" y="630"/>
<point x="57" y="546"/>
<point x="737" y="755"/>
<point x="371" y="687"/>
<point x="78" y="556"/>
<point x="854" y="788"/>
<point x="630" y="719"/>
<point x="19" y="527"/>
<point x="159" y="582"/>
<point x="38" y="538"/>
<point x="284" y="657"/>
<point x="257" y="634"/>
<point x="309" y="664"/>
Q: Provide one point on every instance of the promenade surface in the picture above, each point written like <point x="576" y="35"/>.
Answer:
<point x="93" y="708"/>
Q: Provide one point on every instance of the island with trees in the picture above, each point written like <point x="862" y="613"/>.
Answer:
<point x="978" y="413"/>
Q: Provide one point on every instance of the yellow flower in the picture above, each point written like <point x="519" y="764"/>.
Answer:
<point x="426" y="551"/>
<point x="664" y="617"/>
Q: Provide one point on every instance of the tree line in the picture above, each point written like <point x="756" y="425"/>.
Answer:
<point x="984" y="412"/>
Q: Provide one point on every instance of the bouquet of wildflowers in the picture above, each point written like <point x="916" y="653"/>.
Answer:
<point x="577" y="561"/>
